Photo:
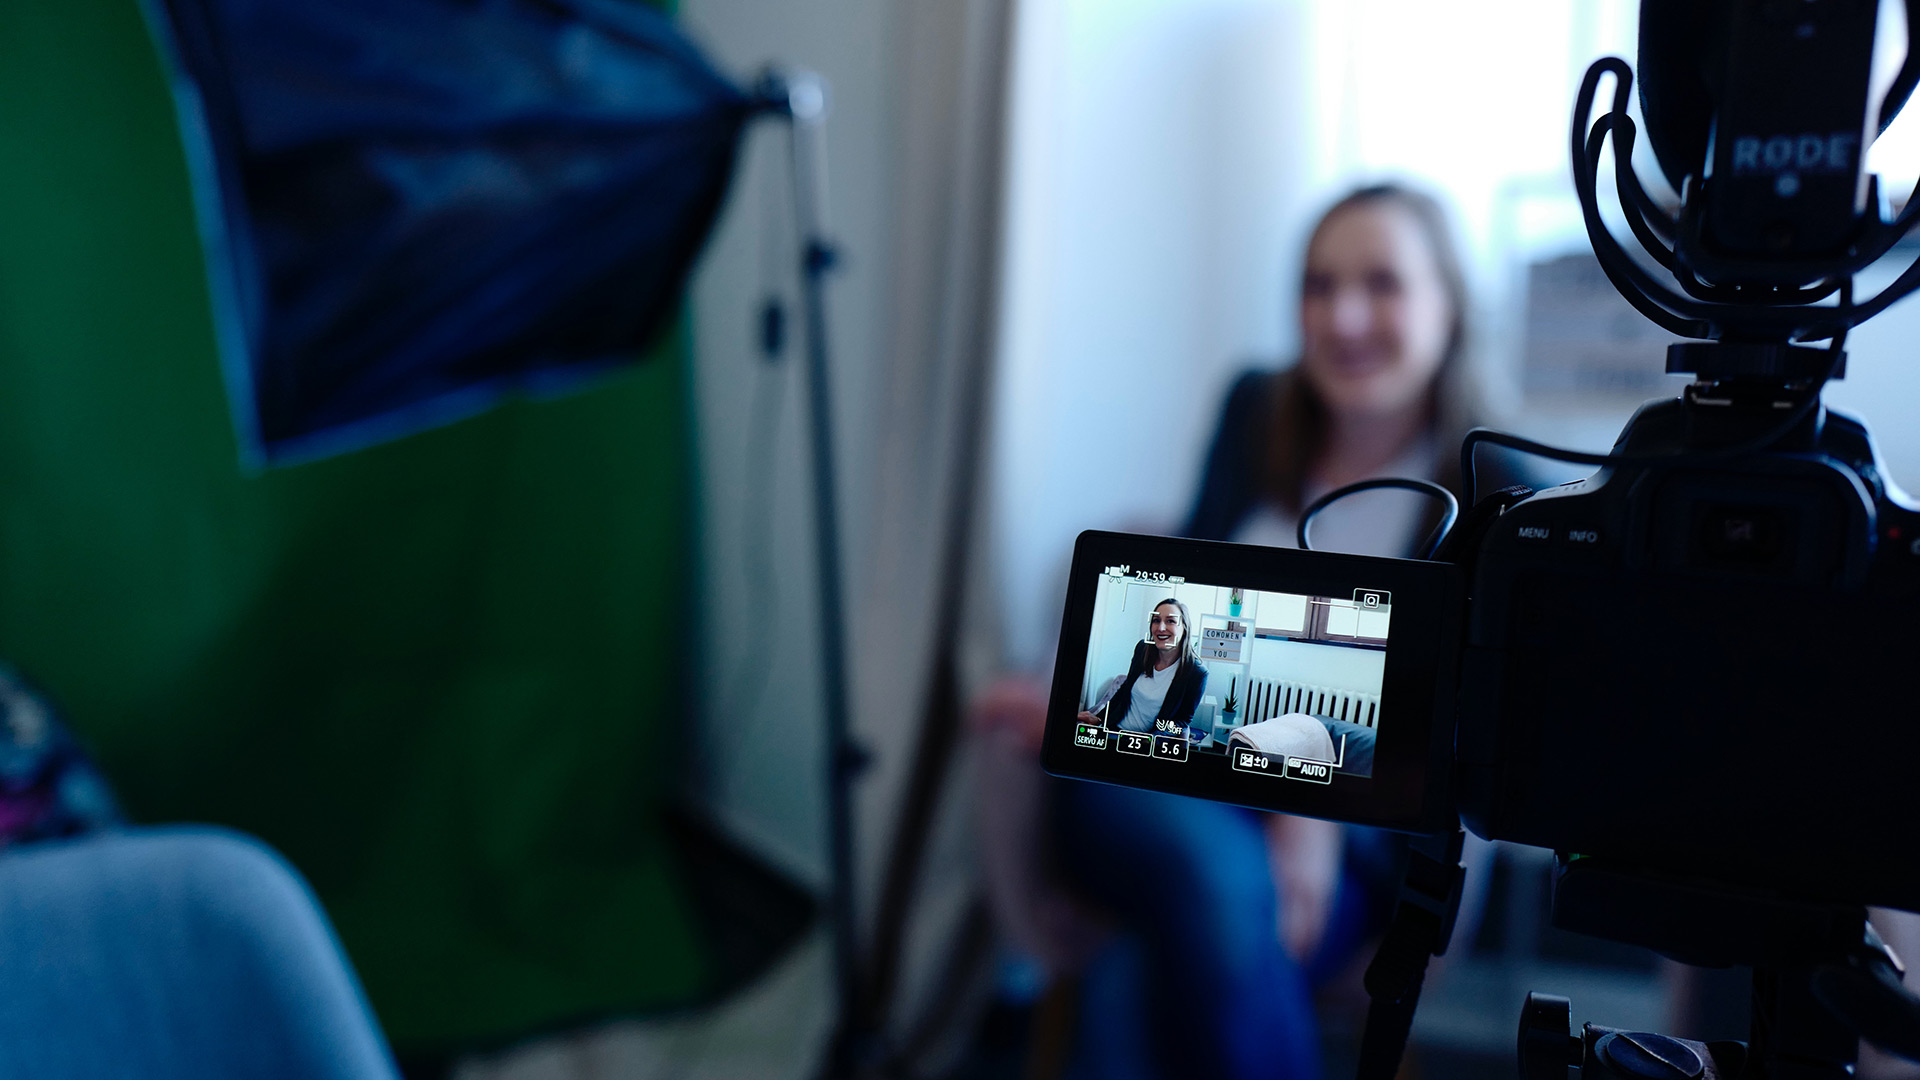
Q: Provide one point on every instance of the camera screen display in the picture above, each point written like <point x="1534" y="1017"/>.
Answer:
<point x="1284" y="684"/>
<point x="1282" y="679"/>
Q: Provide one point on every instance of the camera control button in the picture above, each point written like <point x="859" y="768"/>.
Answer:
<point x="1133" y="742"/>
<point x="1313" y="772"/>
<point x="1253" y="761"/>
<point x="1535" y="533"/>
<point x="1170" y="747"/>
<point x="1582" y="536"/>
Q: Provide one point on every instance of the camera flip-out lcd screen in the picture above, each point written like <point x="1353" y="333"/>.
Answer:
<point x="1287" y="680"/>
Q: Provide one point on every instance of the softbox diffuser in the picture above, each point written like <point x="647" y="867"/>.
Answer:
<point x="413" y="207"/>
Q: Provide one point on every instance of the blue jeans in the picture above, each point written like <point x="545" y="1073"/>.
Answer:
<point x="165" y="954"/>
<point x="1199" y="986"/>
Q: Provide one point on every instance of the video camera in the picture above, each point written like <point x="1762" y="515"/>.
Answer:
<point x="1689" y="672"/>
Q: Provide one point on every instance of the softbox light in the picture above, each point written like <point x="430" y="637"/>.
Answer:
<point x="414" y="207"/>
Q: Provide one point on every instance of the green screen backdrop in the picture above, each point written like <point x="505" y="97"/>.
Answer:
<point x="442" y="675"/>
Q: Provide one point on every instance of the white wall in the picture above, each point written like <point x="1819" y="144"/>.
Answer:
<point x="1882" y="385"/>
<point x="1152" y="212"/>
<point x="1334" y="666"/>
<point x="1119" y="623"/>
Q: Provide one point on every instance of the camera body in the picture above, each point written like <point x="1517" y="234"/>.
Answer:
<point x="1707" y="669"/>
<point x="1702" y="667"/>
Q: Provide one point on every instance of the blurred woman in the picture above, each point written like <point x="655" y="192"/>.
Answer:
<point x="1382" y="388"/>
<point x="1232" y="915"/>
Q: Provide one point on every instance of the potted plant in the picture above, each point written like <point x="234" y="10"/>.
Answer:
<point x="1234" y="602"/>
<point x="1230" y="708"/>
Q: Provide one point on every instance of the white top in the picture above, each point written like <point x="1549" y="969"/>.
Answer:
<point x="1370" y="523"/>
<point x="1149" y="692"/>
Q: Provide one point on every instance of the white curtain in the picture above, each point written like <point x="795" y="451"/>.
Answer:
<point x="929" y="556"/>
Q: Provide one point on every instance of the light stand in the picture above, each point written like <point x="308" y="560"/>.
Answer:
<point x="801" y="97"/>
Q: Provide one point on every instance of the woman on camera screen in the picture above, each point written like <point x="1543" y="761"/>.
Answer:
<point x="1237" y="912"/>
<point x="1163" y="685"/>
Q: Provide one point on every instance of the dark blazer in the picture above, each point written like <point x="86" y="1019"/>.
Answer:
<point x="1230" y="485"/>
<point x="1183" y="697"/>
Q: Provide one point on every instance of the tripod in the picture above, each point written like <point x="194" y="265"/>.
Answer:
<point x="1822" y="981"/>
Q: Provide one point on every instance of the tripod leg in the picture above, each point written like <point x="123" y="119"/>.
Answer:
<point x="1422" y="925"/>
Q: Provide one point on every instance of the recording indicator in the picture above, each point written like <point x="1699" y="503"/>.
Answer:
<point x="1092" y="736"/>
<point x="1133" y="742"/>
<point x="1170" y="747"/>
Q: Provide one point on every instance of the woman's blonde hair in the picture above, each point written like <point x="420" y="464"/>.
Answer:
<point x="1299" y="417"/>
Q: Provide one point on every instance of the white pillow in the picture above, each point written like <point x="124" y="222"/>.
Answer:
<point x="1294" y="734"/>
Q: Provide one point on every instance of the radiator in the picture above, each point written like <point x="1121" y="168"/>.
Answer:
<point x="1268" y="698"/>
